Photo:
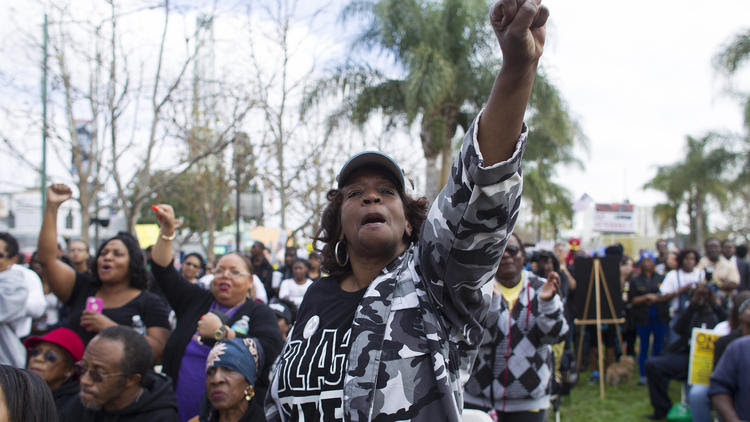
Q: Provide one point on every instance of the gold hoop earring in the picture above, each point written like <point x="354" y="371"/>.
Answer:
<point x="336" y="255"/>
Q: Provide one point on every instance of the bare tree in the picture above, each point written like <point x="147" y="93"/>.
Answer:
<point x="76" y="131"/>
<point x="296" y="152"/>
<point x="126" y="103"/>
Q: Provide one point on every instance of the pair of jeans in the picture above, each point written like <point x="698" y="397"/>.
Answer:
<point x="658" y="330"/>
<point x="700" y="403"/>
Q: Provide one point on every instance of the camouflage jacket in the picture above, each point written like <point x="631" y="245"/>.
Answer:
<point x="417" y="330"/>
<point x="514" y="361"/>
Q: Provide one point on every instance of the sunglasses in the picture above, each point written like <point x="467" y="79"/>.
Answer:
<point x="512" y="250"/>
<point x="49" y="355"/>
<point x="96" y="376"/>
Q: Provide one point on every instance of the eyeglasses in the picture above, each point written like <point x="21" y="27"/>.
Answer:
<point x="512" y="250"/>
<point x="229" y="273"/>
<point x="49" y="355"/>
<point x="96" y="376"/>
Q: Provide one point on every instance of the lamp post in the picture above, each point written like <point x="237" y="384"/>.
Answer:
<point x="247" y="204"/>
<point x="237" y="210"/>
<point x="250" y="206"/>
<point x="43" y="187"/>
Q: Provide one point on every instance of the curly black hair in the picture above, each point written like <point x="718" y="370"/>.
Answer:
<point x="137" y="271"/>
<point x="11" y="244"/>
<point x="329" y="232"/>
<point x="684" y="253"/>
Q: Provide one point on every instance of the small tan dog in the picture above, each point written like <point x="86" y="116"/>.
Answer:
<point x="621" y="372"/>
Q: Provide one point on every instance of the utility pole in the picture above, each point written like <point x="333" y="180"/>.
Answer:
<point x="44" y="115"/>
<point x="237" y="213"/>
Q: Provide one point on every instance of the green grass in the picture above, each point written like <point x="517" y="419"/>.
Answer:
<point x="621" y="403"/>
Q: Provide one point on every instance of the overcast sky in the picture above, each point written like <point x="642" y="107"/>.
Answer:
<point x="638" y="76"/>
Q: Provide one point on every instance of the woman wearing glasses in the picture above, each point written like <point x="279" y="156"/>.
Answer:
<point x="53" y="357"/>
<point x="206" y="316"/>
<point x="193" y="266"/>
<point x="512" y="372"/>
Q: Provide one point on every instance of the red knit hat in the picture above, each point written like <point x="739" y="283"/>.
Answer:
<point x="63" y="337"/>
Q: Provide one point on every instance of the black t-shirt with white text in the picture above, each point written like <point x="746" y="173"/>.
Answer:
<point x="310" y="378"/>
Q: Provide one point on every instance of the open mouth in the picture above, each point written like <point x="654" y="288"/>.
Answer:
<point x="373" y="219"/>
<point x="224" y="286"/>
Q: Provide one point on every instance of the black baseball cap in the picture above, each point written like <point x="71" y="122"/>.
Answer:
<point x="281" y="311"/>
<point x="371" y="159"/>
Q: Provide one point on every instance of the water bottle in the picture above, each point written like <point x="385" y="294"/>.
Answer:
<point x="242" y="326"/>
<point x="138" y="325"/>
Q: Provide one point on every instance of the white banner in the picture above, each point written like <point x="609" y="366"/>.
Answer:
<point x="614" y="218"/>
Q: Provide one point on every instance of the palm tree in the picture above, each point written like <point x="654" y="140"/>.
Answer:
<point x="731" y="58"/>
<point x="448" y="57"/>
<point x="669" y="181"/>
<point x="700" y="176"/>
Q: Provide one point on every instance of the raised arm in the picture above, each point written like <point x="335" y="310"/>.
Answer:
<point x="520" y="29"/>
<point x="463" y="238"/>
<point x="60" y="276"/>
<point x="550" y="323"/>
<point x="161" y="253"/>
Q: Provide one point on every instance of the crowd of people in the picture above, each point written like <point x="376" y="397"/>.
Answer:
<point x="225" y="348"/>
<point x="666" y="293"/>
<point x="406" y="311"/>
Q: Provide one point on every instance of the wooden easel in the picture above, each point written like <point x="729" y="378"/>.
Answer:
<point x="596" y="280"/>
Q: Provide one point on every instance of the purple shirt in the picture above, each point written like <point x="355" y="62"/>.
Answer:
<point x="191" y="380"/>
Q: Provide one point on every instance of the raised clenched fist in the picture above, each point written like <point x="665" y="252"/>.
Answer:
<point x="520" y="29"/>
<point x="58" y="193"/>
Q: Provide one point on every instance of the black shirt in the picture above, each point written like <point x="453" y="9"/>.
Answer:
<point x="721" y="344"/>
<point x="264" y="271"/>
<point x="153" y="311"/>
<point x="641" y="285"/>
<point x="157" y="403"/>
<point x="319" y="343"/>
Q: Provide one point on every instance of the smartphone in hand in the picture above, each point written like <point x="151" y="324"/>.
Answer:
<point x="94" y="304"/>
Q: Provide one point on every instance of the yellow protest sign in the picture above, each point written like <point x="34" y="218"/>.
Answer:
<point x="701" y="356"/>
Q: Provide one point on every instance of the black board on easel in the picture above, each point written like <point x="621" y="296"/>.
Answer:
<point x="582" y="273"/>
